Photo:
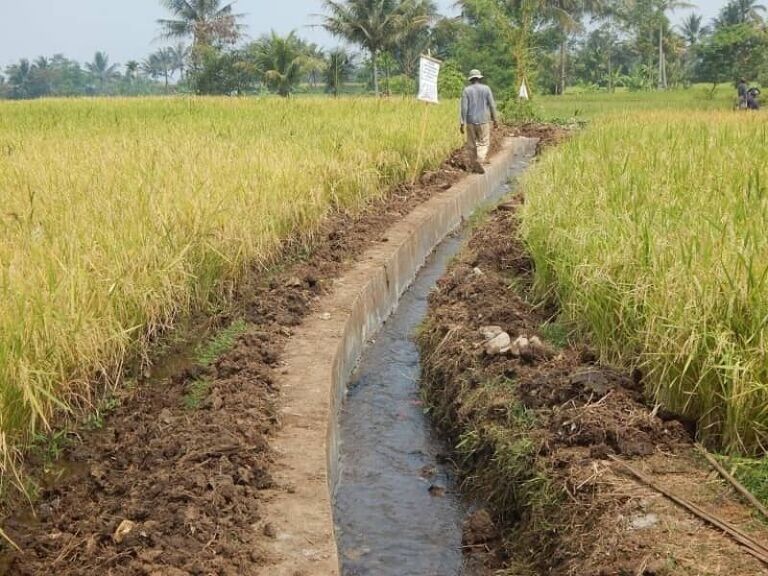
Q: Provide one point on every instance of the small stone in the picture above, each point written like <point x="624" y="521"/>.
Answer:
<point x="294" y="283"/>
<point x="436" y="490"/>
<point x="490" y="332"/>
<point x="479" y="528"/>
<point x="325" y="316"/>
<point x="269" y="531"/>
<point x="123" y="530"/>
<point x="498" y="345"/>
<point x="166" y="416"/>
<point x="643" y="522"/>
<point x="477" y="272"/>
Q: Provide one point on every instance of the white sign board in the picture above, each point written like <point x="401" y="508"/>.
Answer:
<point x="429" y="70"/>
<point x="523" y="94"/>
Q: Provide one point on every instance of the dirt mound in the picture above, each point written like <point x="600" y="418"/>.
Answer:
<point x="536" y="421"/>
<point x="171" y="481"/>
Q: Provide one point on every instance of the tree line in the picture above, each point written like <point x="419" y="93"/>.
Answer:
<point x="552" y="44"/>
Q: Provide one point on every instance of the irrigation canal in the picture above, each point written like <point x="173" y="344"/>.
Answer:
<point x="397" y="508"/>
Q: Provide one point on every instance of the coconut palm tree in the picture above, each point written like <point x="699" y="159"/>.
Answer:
<point x="20" y="79"/>
<point x="414" y="37"/>
<point x="160" y="64"/>
<point x="692" y="29"/>
<point x="372" y="24"/>
<point x="662" y="7"/>
<point x="101" y="70"/>
<point x="339" y="67"/>
<point x="280" y="60"/>
<point x="740" y="12"/>
<point x="207" y="22"/>
<point x="179" y="54"/>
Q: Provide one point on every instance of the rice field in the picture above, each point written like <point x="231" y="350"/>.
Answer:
<point x="649" y="228"/>
<point x="120" y="215"/>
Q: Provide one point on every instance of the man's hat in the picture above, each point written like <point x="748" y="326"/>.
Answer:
<point x="475" y="74"/>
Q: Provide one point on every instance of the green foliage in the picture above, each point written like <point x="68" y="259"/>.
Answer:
<point x="451" y="81"/>
<point x="751" y="472"/>
<point x="517" y="111"/>
<point x="280" y="61"/>
<point x="196" y="392"/>
<point x="733" y="52"/>
<point x="223" y="341"/>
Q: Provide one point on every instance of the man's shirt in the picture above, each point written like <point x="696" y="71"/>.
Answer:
<point x="477" y="105"/>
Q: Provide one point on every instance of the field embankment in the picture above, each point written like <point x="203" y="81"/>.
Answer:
<point x="648" y="231"/>
<point x="119" y="216"/>
<point x="536" y="418"/>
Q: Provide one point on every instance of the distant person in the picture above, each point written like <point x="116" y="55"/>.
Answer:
<point x="478" y="110"/>
<point x="752" y="99"/>
<point x="742" y="91"/>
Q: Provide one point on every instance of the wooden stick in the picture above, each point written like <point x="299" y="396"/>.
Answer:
<point x="421" y="143"/>
<point x="752" y="546"/>
<point x="740" y="488"/>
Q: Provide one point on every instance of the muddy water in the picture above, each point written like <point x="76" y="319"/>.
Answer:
<point x="397" y="509"/>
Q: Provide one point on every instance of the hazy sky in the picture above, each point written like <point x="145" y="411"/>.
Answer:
<point x="127" y="29"/>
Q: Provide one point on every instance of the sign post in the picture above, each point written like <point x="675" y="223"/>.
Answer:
<point x="429" y="72"/>
<point x="523" y="94"/>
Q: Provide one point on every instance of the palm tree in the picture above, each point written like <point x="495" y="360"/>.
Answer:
<point x="314" y="62"/>
<point x="160" y="65"/>
<point x="131" y="68"/>
<point x="179" y="54"/>
<point x="280" y="61"/>
<point x="20" y="79"/>
<point x="414" y="37"/>
<point x="740" y="12"/>
<point x="372" y="24"/>
<point x="101" y="70"/>
<point x="692" y="30"/>
<point x="207" y="22"/>
<point x="338" y="69"/>
<point x="662" y="7"/>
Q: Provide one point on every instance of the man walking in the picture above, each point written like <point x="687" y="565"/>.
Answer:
<point x="478" y="110"/>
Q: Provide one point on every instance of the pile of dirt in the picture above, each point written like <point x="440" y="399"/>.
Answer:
<point x="536" y="421"/>
<point x="170" y="481"/>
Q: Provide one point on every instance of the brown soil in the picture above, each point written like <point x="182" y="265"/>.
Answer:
<point x="160" y="487"/>
<point x="534" y="434"/>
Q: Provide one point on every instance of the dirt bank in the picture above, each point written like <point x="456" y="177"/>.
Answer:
<point x="535" y="432"/>
<point x="171" y="478"/>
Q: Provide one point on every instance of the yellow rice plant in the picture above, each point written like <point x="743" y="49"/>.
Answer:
<point x="117" y="216"/>
<point x="651" y="230"/>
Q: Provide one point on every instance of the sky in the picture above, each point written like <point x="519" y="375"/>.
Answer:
<point x="127" y="29"/>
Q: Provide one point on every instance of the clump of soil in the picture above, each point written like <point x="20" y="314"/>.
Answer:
<point x="535" y="428"/>
<point x="170" y="481"/>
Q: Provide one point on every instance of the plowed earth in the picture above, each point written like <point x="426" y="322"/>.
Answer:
<point x="535" y="433"/>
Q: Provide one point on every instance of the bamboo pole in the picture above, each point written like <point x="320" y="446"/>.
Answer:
<point x="740" y="488"/>
<point x="753" y="547"/>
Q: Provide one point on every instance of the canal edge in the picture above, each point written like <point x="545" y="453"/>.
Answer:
<point x="323" y="352"/>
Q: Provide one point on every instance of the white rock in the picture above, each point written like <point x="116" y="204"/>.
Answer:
<point x="643" y="522"/>
<point x="125" y="528"/>
<point x="490" y="332"/>
<point x="498" y="345"/>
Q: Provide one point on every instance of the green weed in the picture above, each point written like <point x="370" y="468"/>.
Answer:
<point x="220" y="343"/>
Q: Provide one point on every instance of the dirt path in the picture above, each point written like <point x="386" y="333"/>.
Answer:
<point x="535" y="433"/>
<point x="171" y="481"/>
